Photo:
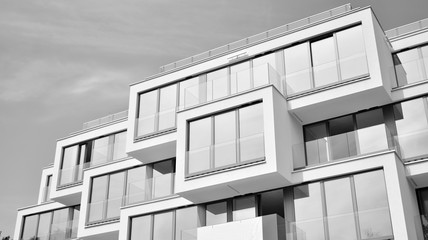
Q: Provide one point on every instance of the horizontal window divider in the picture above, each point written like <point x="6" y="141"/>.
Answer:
<point x="329" y="86"/>
<point x="225" y="168"/>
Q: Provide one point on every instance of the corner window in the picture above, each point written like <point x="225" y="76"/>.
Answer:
<point x="226" y="139"/>
<point x="157" y="110"/>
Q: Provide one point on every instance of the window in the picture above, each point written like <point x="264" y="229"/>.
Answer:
<point x="411" y="65"/>
<point x="344" y="208"/>
<point x="345" y="136"/>
<point x="47" y="189"/>
<point x="93" y="152"/>
<point x="58" y="224"/>
<point x="110" y="192"/>
<point x="423" y="209"/>
<point x="178" y="224"/>
<point x="226" y="139"/>
<point x="235" y="209"/>
<point x="157" y="109"/>
<point x="325" y="61"/>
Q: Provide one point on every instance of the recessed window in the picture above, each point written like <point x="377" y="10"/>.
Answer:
<point x="226" y="139"/>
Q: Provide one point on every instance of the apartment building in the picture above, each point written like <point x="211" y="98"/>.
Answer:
<point x="317" y="129"/>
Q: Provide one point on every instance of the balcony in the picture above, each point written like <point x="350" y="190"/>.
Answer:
<point x="158" y="123"/>
<point x="71" y="176"/>
<point x="270" y="227"/>
<point x="411" y="66"/>
<point x="342" y="146"/>
<point x="231" y="84"/>
<point x="148" y="189"/>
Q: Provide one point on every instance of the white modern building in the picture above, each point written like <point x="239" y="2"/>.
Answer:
<point x="316" y="130"/>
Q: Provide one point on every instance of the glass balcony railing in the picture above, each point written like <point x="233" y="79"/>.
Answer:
<point x="59" y="231"/>
<point x="105" y="120"/>
<point x="72" y="175"/>
<point x="408" y="28"/>
<point x="224" y="155"/>
<point x="373" y="224"/>
<point x="157" y="122"/>
<point x="411" y="71"/>
<point x="104" y="210"/>
<point x="236" y="82"/>
<point x="341" y="146"/>
<point x="148" y="189"/>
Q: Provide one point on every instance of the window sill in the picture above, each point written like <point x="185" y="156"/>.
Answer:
<point x="154" y="134"/>
<point x="227" y="168"/>
<point x="102" y="222"/>
<point x="327" y="87"/>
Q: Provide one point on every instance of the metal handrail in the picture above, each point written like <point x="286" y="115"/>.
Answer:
<point x="106" y="119"/>
<point x="258" y="37"/>
<point x="408" y="28"/>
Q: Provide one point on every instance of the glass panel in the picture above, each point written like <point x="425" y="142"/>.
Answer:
<point x="147" y="112"/>
<point x="69" y="162"/>
<point x="408" y="66"/>
<point x="100" y="151"/>
<point x="167" y="107"/>
<point x="225" y="139"/>
<point x="119" y="147"/>
<point x="83" y="162"/>
<point x="340" y="212"/>
<point x="244" y="208"/>
<point x="272" y="202"/>
<point x="423" y="206"/>
<point x="163" y="228"/>
<point x="190" y="92"/>
<point x="424" y="51"/>
<point x="352" y="53"/>
<point x="343" y="140"/>
<point x="297" y="68"/>
<point x="316" y="143"/>
<point x="137" y="189"/>
<point x="30" y="226"/>
<point x="251" y="132"/>
<point x="141" y="228"/>
<point x="373" y="210"/>
<point x="200" y="137"/>
<point x="44" y="225"/>
<point x="324" y="62"/>
<point x="260" y="77"/>
<point x="186" y="219"/>
<point x="116" y="187"/>
<point x="240" y="78"/>
<point x="76" y="214"/>
<point x="412" y="127"/>
<point x="216" y="213"/>
<point x="217" y="84"/>
<point x="372" y="135"/>
<point x="59" y="224"/>
<point x="162" y="178"/>
<point x="98" y="195"/>
<point x="308" y="212"/>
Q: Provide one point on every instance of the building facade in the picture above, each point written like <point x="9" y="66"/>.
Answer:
<point x="314" y="130"/>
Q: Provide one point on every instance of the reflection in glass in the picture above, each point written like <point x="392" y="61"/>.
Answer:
<point x="316" y="143"/>
<point x="340" y="212"/>
<point x="30" y="226"/>
<point x="119" y="146"/>
<point x="308" y="212"/>
<point x="190" y="92"/>
<point x="163" y="228"/>
<point x="115" y="193"/>
<point x="69" y="162"/>
<point x="59" y="224"/>
<point x="240" y="77"/>
<point x="98" y="195"/>
<point x="412" y="127"/>
<point x="225" y="139"/>
<point x="371" y="131"/>
<point x="352" y="53"/>
<point x="141" y="228"/>
<point x="75" y="221"/>
<point x="272" y="202"/>
<point x="217" y="84"/>
<point x="260" y="77"/>
<point x="251" y="132"/>
<point x="200" y="137"/>
<point x="100" y="151"/>
<point x="409" y="67"/>
<point x="216" y="213"/>
<point x="147" y="112"/>
<point x="373" y="211"/>
<point x="44" y="224"/>
<point x="298" y="68"/>
<point x="244" y="208"/>
<point x="324" y="62"/>
<point x="162" y="178"/>
<point x="187" y="219"/>
<point x="167" y="104"/>
<point x="137" y="189"/>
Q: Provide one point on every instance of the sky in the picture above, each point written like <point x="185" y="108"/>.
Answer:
<point x="63" y="63"/>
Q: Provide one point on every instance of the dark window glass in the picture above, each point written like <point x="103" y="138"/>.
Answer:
<point x="216" y="213"/>
<point x="162" y="178"/>
<point x="244" y="208"/>
<point x="316" y="143"/>
<point x="272" y="202"/>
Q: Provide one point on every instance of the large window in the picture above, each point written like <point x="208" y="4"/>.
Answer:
<point x="411" y="65"/>
<point x="110" y="192"/>
<point x="58" y="224"/>
<point x="343" y="137"/>
<point x="344" y="208"/>
<point x="90" y="153"/>
<point x="47" y="189"/>
<point x="157" y="110"/>
<point x="423" y="209"/>
<point x="226" y="139"/>
<point x="327" y="60"/>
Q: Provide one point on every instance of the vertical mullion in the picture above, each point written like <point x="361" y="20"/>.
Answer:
<point x="105" y="204"/>
<point x="37" y="226"/>
<point x="251" y="72"/>
<point x="158" y="92"/>
<point x="50" y="225"/>
<point x="336" y="51"/>
<point x="311" y="64"/>
<point x="422" y="65"/>
<point x="110" y="147"/>
<point x="324" y="211"/>
<point x="355" y="207"/>
<point x="357" y="142"/>
<point x="212" y="148"/>
<point x="238" y="137"/>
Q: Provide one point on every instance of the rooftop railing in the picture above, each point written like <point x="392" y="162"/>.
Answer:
<point x="106" y="119"/>
<point x="408" y="28"/>
<point x="259" y="37"/>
